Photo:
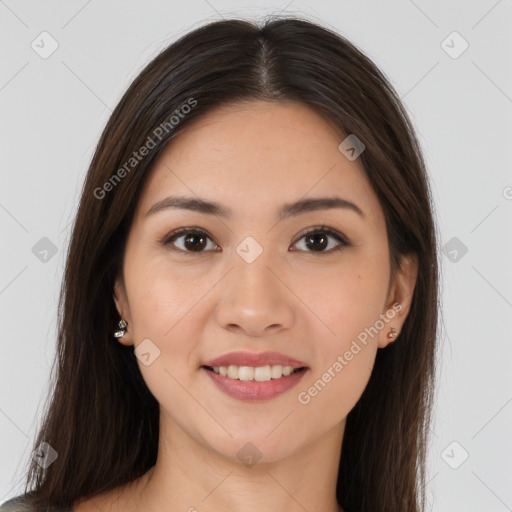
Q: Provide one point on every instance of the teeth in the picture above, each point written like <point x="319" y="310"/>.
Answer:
<point x="258" y="373"/>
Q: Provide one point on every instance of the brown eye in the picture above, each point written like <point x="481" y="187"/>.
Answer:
<point x="189" y="240"/>
<point x="320" y="240"/>
<point x="194" y="242"/>
<point x="317" y="240"/>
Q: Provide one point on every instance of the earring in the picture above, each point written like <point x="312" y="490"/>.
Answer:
<point x="122" y="325"/>
<point x="392" y="334"/>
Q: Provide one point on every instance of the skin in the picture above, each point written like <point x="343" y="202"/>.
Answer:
<point x="310" y="305"/>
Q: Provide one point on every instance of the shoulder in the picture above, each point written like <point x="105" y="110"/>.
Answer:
<point x="16" y="504"/>
<point x="22" y="503"/>
<point x="113" y="500"/>
<point x="119" y="499"/>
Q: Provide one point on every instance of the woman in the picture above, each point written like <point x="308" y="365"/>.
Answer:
<point x="249" y="308"/>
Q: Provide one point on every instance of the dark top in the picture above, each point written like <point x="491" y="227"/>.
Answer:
<point x="14" y="505"/>
<point x="20" y="504"/>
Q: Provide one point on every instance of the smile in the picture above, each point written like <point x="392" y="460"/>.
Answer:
<point x="258" y="373"/>
<point x="254" y="383"/>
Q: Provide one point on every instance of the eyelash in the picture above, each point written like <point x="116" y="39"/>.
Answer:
<point x="171" y="237"/>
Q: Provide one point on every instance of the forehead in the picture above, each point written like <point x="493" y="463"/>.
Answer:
<point x="255" y="154"/>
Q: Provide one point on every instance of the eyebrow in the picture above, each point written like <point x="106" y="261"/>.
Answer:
<point x="287" y="210"/>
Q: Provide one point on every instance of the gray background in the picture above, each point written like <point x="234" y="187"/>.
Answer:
<point x="53" y="110"/>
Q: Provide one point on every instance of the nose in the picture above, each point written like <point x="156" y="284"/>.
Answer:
<point x="256" y="299"/>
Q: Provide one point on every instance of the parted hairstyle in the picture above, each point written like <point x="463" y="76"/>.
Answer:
<point x="100" y="417"/>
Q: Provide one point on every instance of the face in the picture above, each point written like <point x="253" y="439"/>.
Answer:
<point x="311" y="284"/>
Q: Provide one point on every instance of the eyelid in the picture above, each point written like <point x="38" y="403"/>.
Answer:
<point x="167" y="239"/>
<point x="329" y="231"/>
<point x="334" y="233"/>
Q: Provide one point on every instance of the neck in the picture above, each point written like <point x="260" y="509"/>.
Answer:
<point x="191" y="476"/>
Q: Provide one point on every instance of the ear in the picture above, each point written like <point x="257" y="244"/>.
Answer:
<point x="123" y="309"/>
<point x="399" y="298"/>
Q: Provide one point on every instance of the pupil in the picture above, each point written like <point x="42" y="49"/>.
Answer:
<point x="316" y="244"/>
<point x="192" y="236"/>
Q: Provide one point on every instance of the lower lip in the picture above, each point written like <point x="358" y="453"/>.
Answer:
<point x="254" y="391"/>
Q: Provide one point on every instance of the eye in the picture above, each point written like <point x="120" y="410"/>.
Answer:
<point x="318" y="239"/>
<point x="196" y="240"/>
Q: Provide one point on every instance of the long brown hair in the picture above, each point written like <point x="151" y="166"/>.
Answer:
<point x="100" y="417"/>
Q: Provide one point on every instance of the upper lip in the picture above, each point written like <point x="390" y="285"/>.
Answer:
<point x="241" y="358"/>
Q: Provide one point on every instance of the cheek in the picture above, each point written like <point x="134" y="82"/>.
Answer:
<point x="333" y="391"/>
<point x="163" y="312"/>
<point x="348" y="301"/>
<point x="339" y="378"/>
<point x="346" y="297"/>
<point x="164" y="300"/>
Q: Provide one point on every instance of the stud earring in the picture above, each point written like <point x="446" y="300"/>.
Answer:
<point x="122" y="326"/>
<point x="392" y="334"/>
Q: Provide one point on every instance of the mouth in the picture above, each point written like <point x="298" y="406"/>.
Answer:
<point x="255" y="373"/>
<point x="255" y="383"/>
<point x="251" y="376"/>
